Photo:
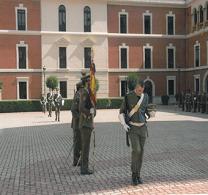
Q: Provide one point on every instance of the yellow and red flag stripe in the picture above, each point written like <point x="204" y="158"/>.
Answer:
<point x="93" y="84"/>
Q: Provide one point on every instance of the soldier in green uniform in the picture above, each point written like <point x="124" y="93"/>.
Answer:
<point x="43" y="102"/>
<point x="134" y="107"/>
<point x="58" y="104"/>
<point x="194" y="100"/>
<point x="207" y="103"/>
<point x="86" y="125"/>
<point x="75" y="125"/>
<point x="199" y="102"/>
<point x="50" y="102"/>
<point x="203" y="103"/>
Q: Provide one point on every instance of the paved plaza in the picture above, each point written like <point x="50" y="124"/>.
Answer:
<point x="34" y="155"/>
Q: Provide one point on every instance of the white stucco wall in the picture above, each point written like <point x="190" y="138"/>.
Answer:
<point x="74" y="15"/>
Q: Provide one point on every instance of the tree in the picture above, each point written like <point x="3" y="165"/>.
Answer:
<point x="52" y="82"/>
<point x="132" y="80"/>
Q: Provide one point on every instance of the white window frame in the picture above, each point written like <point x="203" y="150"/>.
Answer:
<point x="21" y="6"/>
<point x="170" y="14"/>
<point x="21" y="44"/>
<point x="170" y="78"/>
<point x="123" y="46"/>
<point x="170" y="46"/>
<point x="147" y="13"/>
<point x="197" y="77"/>
<point x="63" y="80"/>
<point x="123" y="12"/>
<point x="195" y="45"/>
<point x="59" y="58"/>
<point x="122" y="78"/>
<point x="23" y="79"/>
<point x="147" y="46"/>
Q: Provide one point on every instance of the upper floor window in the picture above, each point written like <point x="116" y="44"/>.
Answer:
<point x="62" y="18"/>
<point x="123" y="18"/>
<point x="62" y="57"/>
<point x="170" y="56"/>
<point x="87" y="57"/>
<point x="87" y="19"/>
<point x="147" y="23"/>
<point x="170" y="24"/>
<point x="201" y="14"/>
<point x="22" y="55"/>
<point x="195" y="17"/>
<point x="197" y="55"/>
<point x="123" y="53"/>
<point x="148" y="57"/>
<point x="21" y="18"/>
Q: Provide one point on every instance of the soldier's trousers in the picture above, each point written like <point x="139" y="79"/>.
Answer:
<point x="57" y="112"/>
<point x="49" y="109"/>
<point x="137" y="137"/>
<point x="85" y="137"/>
<point x="77" y="145"/>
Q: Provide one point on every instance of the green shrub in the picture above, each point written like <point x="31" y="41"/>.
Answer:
<point x="52" y="82"/>
<point x="34" y="105"/>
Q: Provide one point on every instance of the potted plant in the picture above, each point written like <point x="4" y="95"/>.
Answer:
<point x="52" y="82"/>
<point x="165" y="99"/>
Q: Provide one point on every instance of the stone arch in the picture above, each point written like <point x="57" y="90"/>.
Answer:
<point x="151" y="89"/>
<point x="205" y="82"/>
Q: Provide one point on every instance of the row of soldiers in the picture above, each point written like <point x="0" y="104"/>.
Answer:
<point x="193" y="102"/>
<point x="53" y="99"/>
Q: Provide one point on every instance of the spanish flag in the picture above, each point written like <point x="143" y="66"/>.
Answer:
<point x="93" y="84"/>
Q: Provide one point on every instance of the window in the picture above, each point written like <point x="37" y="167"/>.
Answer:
<point x="147" y="23"/>
<point x="170" y="25"/>
<point x="63" y="89"/>
<point x="22" y="90"/>
<point x="201" y="14"/>
<point x="22" y="57"/>
<point x="170" y="57"/>
<point x="123" y="57"/>
<point x="87" y="19"/>
<point x="207" y="11"/>
<point x="124" y="88"/>
<point x="197" y="55"/>
<point x="62" y="57"/>
<point x="171" y="85"/>
<point x="195" y="17"/>
<point x="123" y="22"/>
<point x="62" y="18"/>
<point x="21" y="19"/>
<point x="147" y="57"/>
<point x="87" y="56"/>
<point x="197" y="85"/>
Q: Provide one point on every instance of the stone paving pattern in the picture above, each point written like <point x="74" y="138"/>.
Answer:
<point x="36" y="160"/>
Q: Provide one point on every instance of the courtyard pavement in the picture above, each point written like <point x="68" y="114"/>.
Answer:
<point x="34" y="155"/>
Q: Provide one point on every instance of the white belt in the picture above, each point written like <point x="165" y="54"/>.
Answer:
<point x="136" y="124"/>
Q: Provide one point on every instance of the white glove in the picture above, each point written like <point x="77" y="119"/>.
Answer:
<point x="123" y="123"/>
<point x="92" y="111"/>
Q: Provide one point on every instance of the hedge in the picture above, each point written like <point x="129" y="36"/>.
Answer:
<point x="34" y="105"/>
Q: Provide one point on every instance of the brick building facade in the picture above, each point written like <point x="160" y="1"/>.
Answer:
<point x="165" y="42"/>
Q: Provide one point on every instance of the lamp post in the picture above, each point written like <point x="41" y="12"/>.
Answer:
<point x="44" y="71"/>
<point x="179" y="79"/>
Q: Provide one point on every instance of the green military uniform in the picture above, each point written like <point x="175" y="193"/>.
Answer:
<point x="58" y="104"/>
<point x="203" y="103"/>
<point x="43" y="102"/>
<point x="50" y="102"/>
<point x="75" y="125"/>
<point x="86" y="126"/>
<point x="138" y="129"/>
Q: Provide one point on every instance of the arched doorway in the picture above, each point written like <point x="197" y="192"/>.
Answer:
<point x="149" y="90"/>
<point x="205" y="82"/>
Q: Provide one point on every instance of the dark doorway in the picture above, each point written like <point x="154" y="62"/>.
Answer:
<point x="148" y="90"/>
<point x="206" y="85"/>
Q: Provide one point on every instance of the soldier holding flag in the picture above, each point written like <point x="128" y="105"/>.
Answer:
<point x="86" y="121"/>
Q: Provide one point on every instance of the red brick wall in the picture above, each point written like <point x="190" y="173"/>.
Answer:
<point x="135" y="18"/>
<point x="9" y="91"/>
<point x="8" y="18"/>
<point x="136" y="51"/>
<point x="8" y="51"/>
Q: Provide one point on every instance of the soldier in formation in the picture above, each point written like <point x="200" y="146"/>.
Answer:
<point x="195" y="102"/>
<point x="58" y="102"/>
<point x="50" y="102"/>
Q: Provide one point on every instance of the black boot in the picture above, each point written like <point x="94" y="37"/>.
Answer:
<point x="86" y="172"/>
<point x="139" y="180"/>
<point x="134" y="179"/>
